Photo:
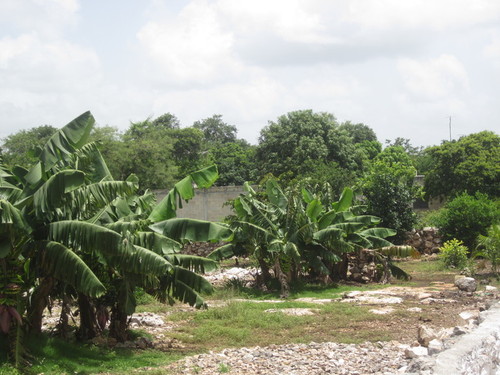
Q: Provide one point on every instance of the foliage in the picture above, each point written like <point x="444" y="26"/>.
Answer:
<point x="489" y="246"/>
<point x="389" y="189"/>
<point x="302" y="138"/>
<point x="216" y="131"/>
<point x="296" y="235"/>
<point x="454" y="254"/>
<point x="470" y="164"/>
<point x="468" y="216"/>
<point x="359" y="132"/>
<point x="21" y="148"/>
<point x="68" y="229"/>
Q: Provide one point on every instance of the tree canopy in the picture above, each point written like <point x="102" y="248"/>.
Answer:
<point x="470" y="164"/>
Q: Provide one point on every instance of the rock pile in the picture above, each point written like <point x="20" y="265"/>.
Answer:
<point x="426" y="240"/>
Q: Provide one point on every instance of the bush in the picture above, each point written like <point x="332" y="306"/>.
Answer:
<point x="468" y="216"/>
<point x="454" y="254"/>
<point x="489" y="246"/>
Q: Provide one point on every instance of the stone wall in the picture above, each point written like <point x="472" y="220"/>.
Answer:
<point x="477" y="352"/>
<point x="426" y="240"/>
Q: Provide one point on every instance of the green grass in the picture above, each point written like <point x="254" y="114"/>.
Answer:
<point x="56" y="356"/>
<point x="247" y="324"/>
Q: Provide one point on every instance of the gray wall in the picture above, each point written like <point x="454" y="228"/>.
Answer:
<point x="207" y="204"/>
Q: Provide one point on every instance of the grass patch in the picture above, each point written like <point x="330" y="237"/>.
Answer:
<point x="247" y="324"/>
<point x="56" y="356"/>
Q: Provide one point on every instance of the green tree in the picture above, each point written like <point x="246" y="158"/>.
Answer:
<point x="389" y="189"/>
<point x="298" y="137"/>
<point x="359" y="132"/>
<point x="21" y="148"/>
<point x="235" y="161"/>
<point x="470" y="164"/>
<point x="467" y="216"/>
<point x="216" y="131"/>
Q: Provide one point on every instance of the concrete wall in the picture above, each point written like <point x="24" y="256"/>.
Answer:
<point x="207" y="204"/>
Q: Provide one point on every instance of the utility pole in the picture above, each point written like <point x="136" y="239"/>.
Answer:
<point x="450" y="127"/>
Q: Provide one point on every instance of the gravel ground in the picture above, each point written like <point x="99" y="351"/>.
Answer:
<point x="297" y="359"/>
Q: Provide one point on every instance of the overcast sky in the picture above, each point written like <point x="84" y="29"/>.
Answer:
<point x="401" y="67"/>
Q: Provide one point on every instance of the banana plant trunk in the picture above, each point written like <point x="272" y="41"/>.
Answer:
<point x="118" y="324"/>
<point x="88" y="322"/>
<point x="38" y="304"/>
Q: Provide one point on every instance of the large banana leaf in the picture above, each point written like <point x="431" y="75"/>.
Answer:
<point x="379" y="232"/>
<point x="223" y="252"/>
<point x="183" y="190"/>
<point x="192" y="230"/>
<point x="345" y="201"/>
<point x="334" y="217"/>
<point x="158" y="243"/>
<point x="276" y="195"/>
<point x="192" y="262"/>
<point x="63" y="264"/>
<point x="399" y="251"/>
<point x="90" y="160"/>
<point x="185" y="286"/>
<point x="51" y="195"/>
<point x="65" y="141"/>
<point x="99" y="195"/>
<point x="14" y="230"/>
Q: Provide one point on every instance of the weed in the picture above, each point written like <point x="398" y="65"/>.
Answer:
<point x="223" y="368"/>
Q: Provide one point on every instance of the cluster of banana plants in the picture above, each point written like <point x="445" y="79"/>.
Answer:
<point x="69" y="231"/>
<point x="293" y="234"/>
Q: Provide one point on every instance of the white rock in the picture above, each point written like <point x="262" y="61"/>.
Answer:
<point x="416" y="351"/>
<point x="466" y="284"/>
<point x="435" y="346"/>
<point x="490" y="288"/>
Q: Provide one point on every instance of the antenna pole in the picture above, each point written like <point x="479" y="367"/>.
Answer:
<point x="450" y="127"/>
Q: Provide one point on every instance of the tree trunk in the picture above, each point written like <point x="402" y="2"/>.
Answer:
<point x="338" y="271"/>
<point x="266" y="275"/>
<point x="39" y="302"/>
<point x="118" y="324"/>
<point x="285" y="288"/>
<point x="88" y="323"/>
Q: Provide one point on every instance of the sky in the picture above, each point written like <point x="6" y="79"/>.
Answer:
<point x="401" y="67"/>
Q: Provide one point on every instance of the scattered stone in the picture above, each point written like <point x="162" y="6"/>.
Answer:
<point x="382" y="311"/>
<point x="435" y="346"/>
<point x="293" y="311"/>
<point x="146" y="319"/>
<point x="414" y="309"/>
<point x="426" y="334"/>
<point x="458" y="331"/>
<point x="416" y="351"/>
<point x="466" y="284"/>
<point x="467" y="316"/>
<point x="489" y="288"/>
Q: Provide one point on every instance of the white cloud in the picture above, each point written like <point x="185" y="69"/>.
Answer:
<point x="30" y="63"/>
<point x="432" y="79"/>
<point x="46" y="17"/>
<point x="411" y="14"/>
<point x="192" y="47"/>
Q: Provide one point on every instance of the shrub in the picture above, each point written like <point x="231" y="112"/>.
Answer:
<point x="454" y="254"/>
<point x="489" y="246"/>
<point x="468" y="216"/>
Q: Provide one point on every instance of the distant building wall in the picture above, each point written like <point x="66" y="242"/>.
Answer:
<point x="207" y="204"/>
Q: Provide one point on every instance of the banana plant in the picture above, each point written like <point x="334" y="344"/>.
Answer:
<point x="61" y="223"/>
<point x="294" y="234"/>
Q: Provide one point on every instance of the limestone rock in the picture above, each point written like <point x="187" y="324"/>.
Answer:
<point x="435" y="346"/>
<point x="466" y="284"/>
<point x="416" y="351"/>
